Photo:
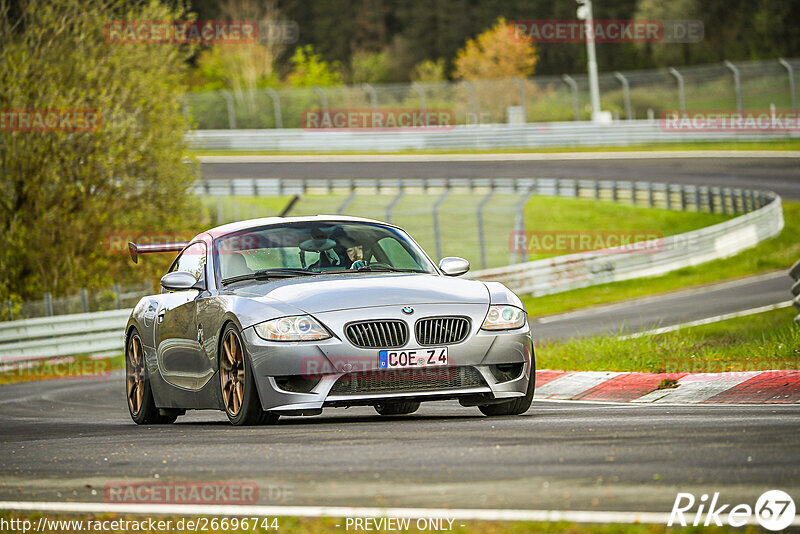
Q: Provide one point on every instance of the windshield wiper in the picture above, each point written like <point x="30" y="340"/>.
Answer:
<point x="264" y="274"/>
<point x="373" y="269"/>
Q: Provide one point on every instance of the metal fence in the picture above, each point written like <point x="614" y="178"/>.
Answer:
<point x="794" y="272"/>
<point x="629" y="95"/>
<point x="464" y="216"/>
<point x="114" y="298"/>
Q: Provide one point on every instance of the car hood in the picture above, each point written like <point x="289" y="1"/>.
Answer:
<point x="361" y="290"/>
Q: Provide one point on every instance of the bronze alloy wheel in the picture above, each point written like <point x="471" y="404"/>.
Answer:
<point x="135" y="374"/>
<point x="232" y="373"/>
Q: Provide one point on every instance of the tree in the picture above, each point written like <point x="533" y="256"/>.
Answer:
<point x="429" y="71"/>
<point x="310" y="69"/>
<point x="62" y="192"/>
<point x="495" y="54"/>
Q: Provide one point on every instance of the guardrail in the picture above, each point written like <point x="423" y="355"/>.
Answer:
<point x="63" y="335"/>
<point x="794" y="272"/>
<point x="482" y="137"/>
<point x="102" y="332"/>
<point x="573" y="271"/>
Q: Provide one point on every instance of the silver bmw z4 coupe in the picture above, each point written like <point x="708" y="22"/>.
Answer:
<point x="289" y="315"/>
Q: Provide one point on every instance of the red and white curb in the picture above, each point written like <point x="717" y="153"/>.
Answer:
<point x="749" y="387"/>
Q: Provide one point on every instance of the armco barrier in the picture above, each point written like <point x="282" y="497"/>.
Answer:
<point x="63" y="335"/>
<point x="102" y="332"/>
<point x="483" y="137"/>
<point x="573" y="271"/>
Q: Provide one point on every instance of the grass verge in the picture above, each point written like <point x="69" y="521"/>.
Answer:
<point x="765" y="341"/>
<point x="300" y="525"/>
<point x="778" y="253"/>
<point x="81" y="367"/>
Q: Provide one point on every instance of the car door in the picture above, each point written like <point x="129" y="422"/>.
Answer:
<point x="181" y="357"/>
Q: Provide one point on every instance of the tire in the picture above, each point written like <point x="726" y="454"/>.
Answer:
<point x="138" y="393"/>
<point x="517" y="406"/>
<point x="237" y="383"/>
<point x="397" y="408"/>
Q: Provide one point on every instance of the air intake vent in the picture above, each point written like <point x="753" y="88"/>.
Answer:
<point x="383" y="334"/>
<point x="441" y="330"/>
<point x="407" y="380"/>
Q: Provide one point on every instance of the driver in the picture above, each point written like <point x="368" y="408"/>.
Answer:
<point x="355" y="253"/>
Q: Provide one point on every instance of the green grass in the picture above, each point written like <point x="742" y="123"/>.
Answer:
<point x="241" y="208"/>
<point x="793" y="144"/>
<point x="81" y="366"/>
<point x="766" y="341"/>
<point x="778" y="253"/>
<point x="459" y="223"/>
<point x="300" y="525"/>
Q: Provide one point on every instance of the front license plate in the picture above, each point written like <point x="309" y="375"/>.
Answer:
<point x="409" y="358"/>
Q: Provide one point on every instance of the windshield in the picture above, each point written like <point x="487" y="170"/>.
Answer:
<point x="318" y="247"/>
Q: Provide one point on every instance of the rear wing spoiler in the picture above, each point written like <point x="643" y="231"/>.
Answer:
<point x="152" y="248"/>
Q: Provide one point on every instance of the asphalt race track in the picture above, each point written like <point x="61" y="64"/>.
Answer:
<point x="64" y="440"/>
<point x="778" y="174"/>
<point x="668" y="309"/>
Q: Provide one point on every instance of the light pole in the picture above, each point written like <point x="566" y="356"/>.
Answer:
<point x="585" y="13"/>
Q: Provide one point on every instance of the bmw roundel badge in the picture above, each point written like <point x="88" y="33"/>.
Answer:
<point x="408" y="310"/>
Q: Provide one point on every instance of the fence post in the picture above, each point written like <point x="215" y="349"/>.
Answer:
<point x="323" y="97"/>
<point x="737" y="84"/>
<point x="276" y="107"/>
<point x="473" y="101"/>
<point x="347" y="201"/>
<point x="117" y="296"/>
<point x="626" y="94"/>
<point x="436" y="229"/>
<point x="681" y="89"/>
<point x="84" y="300"/>
<point x="683" y="198"/>
<point x="481" y="230"/>
<point x="519" y="226"/>
<point x="373" y="95"/>
<point x="696" y="198"/>
<point x="48" y="304"/>
<point x="231" y="109"/>
<point x="421" y="92"/>
<point x="395" y="201"/>
<point x="523" y="101"/>
<point x="668" y="195"/>
<point x="597" y="189"/>
<point x="650" y="198"/>
<point x="790" y="72"/>
<point x="573" y="85"/>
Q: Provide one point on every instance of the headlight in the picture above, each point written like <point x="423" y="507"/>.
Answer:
<point x="295" y="328"/>
<point x="503" y="318"/>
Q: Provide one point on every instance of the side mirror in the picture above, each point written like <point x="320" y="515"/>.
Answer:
<point x="181" y="281"/>
<point x="454" y="266"/>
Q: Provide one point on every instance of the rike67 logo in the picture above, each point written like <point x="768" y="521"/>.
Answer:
<point x="774" y="510"/>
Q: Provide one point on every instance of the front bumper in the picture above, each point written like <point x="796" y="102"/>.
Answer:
<point x="471" y="372"/>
